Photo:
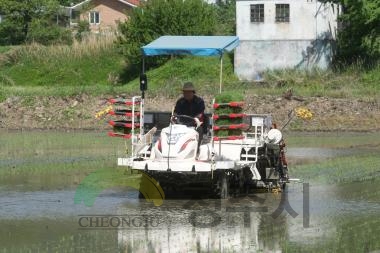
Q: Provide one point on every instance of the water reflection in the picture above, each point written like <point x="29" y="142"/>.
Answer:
<point x="48" y="222"/>
<point x="238" y="225"/>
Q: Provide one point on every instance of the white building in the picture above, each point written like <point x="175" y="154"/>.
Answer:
<point x="278" y="34"/>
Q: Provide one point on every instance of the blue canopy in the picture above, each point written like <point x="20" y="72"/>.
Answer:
<point x="191" y="45"/>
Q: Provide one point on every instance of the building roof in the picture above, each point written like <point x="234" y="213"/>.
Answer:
<point x="132" y="3"/>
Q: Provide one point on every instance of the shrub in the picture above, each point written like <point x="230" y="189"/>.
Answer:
<point x="83" y="29"/>
<point x="10" y="33"/>
<point x="41" y="32"/>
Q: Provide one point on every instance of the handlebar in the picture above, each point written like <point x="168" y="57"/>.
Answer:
<point x="185" y="116"/>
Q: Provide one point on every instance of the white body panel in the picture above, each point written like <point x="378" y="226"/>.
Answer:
<point x="176" y="151"/>
<point x="176" y="142"/>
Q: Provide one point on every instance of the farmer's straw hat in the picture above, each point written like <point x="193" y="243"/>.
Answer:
<point x="188" y="86"/>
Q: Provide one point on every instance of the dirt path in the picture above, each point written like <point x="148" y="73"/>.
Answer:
<point x="330" y="114"/>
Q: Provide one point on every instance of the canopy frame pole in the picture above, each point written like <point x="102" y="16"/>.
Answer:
<point x="142" y="103"/>
<point x="143" y="72"/>
<point x="143" y="65"/>
<point x="221" y="73"/>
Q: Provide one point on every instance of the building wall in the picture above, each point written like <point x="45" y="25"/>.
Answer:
<point x="306" y="41"/>
<point x="110" y="12"/>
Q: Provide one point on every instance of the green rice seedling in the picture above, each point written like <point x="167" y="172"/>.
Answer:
<point x="223" y="122"/>
<point x="227" y="110"/>
<point x="235" y="132"/>
<point x="221" y="133"/>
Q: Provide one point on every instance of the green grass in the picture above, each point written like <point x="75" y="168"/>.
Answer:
<point x="51" y="160"/>
<point x="359" y="164"/>
<point x="352" y="233"/>
<point x="90" y="70"/>
<point x="4" y="49"/>
<point x="343" y="169"/>
<point x="57" y="151"/>
<point x="226" y="97"/>
<point x="34" y="144"/>
<point x="354" y="81"/>
<point x="60" y="91"/>
<point x="332" y="140"/>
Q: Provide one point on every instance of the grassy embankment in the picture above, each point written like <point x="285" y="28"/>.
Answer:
<point x="90" y="66"/>
<point x="93" y="67"/>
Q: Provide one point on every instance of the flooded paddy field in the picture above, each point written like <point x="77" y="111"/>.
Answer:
<point x="334" y="208"/>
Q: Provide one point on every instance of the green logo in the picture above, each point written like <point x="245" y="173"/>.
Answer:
<point x="103" y="179"/>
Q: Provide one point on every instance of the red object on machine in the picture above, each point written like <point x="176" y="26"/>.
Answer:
<point x="231" y="116"/>
<point x="122" y="123"/>
<point x="230" y="138"/>
<point x="122" y="101"/>
<point x="127" y="113"/>
<point x="125" y="136"/>
<point x="231" y="104"/>
<point x="230" y="127"/>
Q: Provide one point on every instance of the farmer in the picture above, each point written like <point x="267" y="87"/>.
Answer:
<point x="193" y="106"/>
<point x="190" y="104"/>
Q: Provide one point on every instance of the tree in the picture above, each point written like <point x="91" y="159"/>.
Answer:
<point x="22" y="15"/>
<point x="226" y="16"/>
<point x="359" y="35"/>
<point x="69" y="2"/>
<point x="163" y="17"/>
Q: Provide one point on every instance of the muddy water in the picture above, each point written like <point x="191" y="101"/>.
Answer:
<point x="38" y="213"/>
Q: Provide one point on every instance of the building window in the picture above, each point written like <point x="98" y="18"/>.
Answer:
<point x="74" y="16"/>
<point x="94" y="18"/>
<point x="257" y="13"/>
<point x="282" y="12"/>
